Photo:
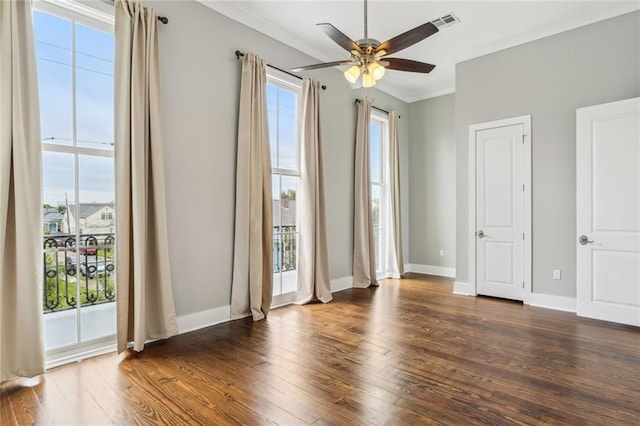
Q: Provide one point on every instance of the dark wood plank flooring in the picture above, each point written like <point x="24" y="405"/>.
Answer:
<point x="408" y="352"/>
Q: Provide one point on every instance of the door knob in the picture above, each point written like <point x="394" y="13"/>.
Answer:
<point x="584" y="240"/>
<point x="480" y="234"/>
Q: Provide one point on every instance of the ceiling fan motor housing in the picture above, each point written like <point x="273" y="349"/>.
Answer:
<point x="368" y="45"/>
<point x="367" y="52"/>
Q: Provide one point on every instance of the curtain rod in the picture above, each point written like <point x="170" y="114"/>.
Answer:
<point x="162" y="19"/>
<point x="239" y="54"/>
<point x="375" y="107"/>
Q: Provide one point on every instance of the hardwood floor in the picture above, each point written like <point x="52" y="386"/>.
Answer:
<point x="407" y="352"/>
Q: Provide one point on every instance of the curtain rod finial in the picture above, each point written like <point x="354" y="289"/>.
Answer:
<point x="163" y="19"/>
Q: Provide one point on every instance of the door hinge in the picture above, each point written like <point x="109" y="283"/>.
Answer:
<point x="522" y="284"/>
<point x="523" y="187"/>
<point x="523" y="235"/>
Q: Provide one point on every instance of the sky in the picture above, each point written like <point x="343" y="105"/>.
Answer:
<point x="94" y="55"/>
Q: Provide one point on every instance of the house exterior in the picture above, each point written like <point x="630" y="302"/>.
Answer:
<point x="284" y="234"/>
<point x="284" y="212"/>
<point x="94" y="218"/>
<point x="52" y="221"/>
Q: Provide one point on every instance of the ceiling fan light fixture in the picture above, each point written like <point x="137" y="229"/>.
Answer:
<point x="368" y="80"/>
<point x="352" y="74"/>
<point x="376" y="70"/>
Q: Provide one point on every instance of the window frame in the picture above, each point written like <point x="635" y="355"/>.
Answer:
<point x="99" y="17"/>
<point x="383" y="249"/>
<point x="286" y="82"/>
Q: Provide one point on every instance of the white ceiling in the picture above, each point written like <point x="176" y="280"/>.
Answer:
<point x="486" y="27"/>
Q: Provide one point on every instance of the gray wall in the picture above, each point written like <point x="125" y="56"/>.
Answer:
<point x="549" y="79"/>
<point x="432" y="182"/>
<point x="200" y="77"/>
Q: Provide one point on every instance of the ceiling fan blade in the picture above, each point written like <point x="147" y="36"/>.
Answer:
<point x="340" y="38"/>
<point x="408" y="65"/>
<point x="322" y="65"/>
<point x="408" y="38"/>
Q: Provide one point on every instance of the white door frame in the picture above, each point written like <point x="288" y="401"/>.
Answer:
<point x="525" y="121"/>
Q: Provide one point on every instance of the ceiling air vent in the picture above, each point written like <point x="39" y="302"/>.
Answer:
<point x="446" y="20"/>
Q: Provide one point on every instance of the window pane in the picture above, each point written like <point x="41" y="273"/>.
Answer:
<point x="376" y="202"/>
<point x="272" y="114"/>
<point x="275" y="191"/>
<point x="287" y="143"/>
<point x="60" y="277"/>
<point x="277" y="237"/>
<point x="288" y="197"/>
<point x="58" y="178"/>
<point x="96" y="176"/>
<point x="53" y="53"/>
<point x="96" y="215"/>
<point x="374" y="151"/>
<point x="289" y="233"/>
<point x="94" y="88"/>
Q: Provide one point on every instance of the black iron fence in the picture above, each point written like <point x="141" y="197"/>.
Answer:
<point x="89" y="267"/>
<point x="69" y="268"/>
<point x="284" y="248"/>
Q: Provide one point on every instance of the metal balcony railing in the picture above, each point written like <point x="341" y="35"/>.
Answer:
<point x="284" y="248"/>
<point x="68" y="268"/>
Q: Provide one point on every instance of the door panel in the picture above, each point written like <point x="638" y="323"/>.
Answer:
<point x="499" y="261"/>
<point x="608" y="211"/>
<point x="499" y="204"/>
<point x="610" y="267"/>
<point x="616" y="164"/>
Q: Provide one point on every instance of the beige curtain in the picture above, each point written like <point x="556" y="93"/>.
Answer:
<point x="313" y="254"/>
<point x="394" y="187"/>
<point x="21" y="329"/>
<point x="364" y="254"/>
<point x="252" y="286"/>
<point x="144" y="293"/>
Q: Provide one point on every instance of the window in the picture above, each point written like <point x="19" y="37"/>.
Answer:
<point x="75" y="63"/>
<point x="378" y="148"/>
<point x="282" y="106"/>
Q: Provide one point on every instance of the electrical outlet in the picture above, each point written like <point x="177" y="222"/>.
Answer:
<point x="556" y="274"/>
<point x="441" y="252"/>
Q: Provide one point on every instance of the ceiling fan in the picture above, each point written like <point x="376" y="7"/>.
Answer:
<point x="368" y="55"/>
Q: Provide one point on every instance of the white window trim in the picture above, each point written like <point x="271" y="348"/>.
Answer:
<point x="97" y="14"/>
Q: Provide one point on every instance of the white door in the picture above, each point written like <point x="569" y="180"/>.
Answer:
<point x="499" y="211"/>
<point x="608" y="211"/>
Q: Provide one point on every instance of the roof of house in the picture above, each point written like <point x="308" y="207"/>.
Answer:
<point x="286" y="214"/>
<point x="52" y="216"/>
<point x="87" y="209"/>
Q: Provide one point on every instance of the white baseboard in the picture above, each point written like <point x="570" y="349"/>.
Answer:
<point x="202" y="319"/>
<point x="559" y="303"/>
<point x="197" y="320"/>
<point x="442" y="271"/>
<point x="463" y="288"/>
<point x="342" y="283"/>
